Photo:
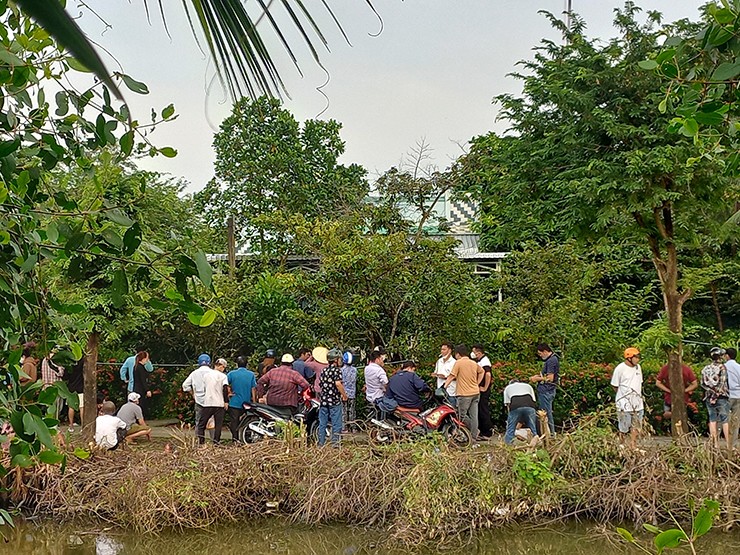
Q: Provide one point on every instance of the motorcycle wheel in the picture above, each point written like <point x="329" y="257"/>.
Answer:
<point x="246" y="434"/>
<point x="457" y="436"/>
<point x="381" y="436"/>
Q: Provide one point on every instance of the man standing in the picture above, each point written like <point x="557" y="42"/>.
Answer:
<point x="406" y="387"/>
<point x="484" y="406"/>
<point x="349" y="380"/>
<point x="520" y="402"/>
<point x="29" y="372"/>
<point x="547" y="381"/>
<point x="211" y="390"/>
<point x="51" y="373"/>
<point x="133" y="416"/>
<point x="442" y="369"/>
<point x="299" y="365"/>
<point x="282" y="386"/>
<point x="627" y="382"/>
<point x="662" y="380"/>
<point x="716" y="395"/>
<point x="733" y="384"/>
<point x="127" y="370"/>
<point x="267" y="364"/>
<point x="243" y="384"/>
<point x="376" y="380"/>
<point x="468" y="374"/>
<point x="332" y="396"/>
<point x="316" y="363"/>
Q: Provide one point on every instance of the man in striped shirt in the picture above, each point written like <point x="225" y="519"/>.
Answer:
<point x="282" y="386"/>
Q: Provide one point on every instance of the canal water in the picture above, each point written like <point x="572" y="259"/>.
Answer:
<point x="268" y="537"/>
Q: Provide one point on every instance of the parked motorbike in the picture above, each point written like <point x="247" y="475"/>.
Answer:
<point x="409" y="423"/>
<point x="261" y="421"/>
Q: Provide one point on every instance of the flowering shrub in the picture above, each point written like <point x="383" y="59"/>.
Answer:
<point x="585" y="388"/>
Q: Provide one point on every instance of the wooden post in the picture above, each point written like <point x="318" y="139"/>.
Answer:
<point x="90" y="389"/>
<point x="231" y="246"/>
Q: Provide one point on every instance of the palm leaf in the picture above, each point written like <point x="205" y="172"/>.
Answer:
<point x="51" y="16"/>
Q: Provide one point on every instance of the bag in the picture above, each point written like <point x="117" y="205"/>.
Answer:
<point x="211" y="424"/>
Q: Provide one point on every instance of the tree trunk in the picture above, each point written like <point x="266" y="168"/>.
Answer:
<point x="90" y="393"/>
<point x="679" y="416"/>
<point x="717" y="312"/>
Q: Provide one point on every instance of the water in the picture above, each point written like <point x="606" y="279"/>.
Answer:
<point x="276" y="537"/>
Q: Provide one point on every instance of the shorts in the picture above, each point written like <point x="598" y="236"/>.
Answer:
<point x="629" y="420"/>
<point x="137" y="428"/>
<point x="81" y="397"/>
<point x="719" y="411"/>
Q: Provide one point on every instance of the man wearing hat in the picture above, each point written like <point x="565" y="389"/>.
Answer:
<point x="281" y="386"/>
<point x="133" y="416"/>
<point x="267" y="364"/>
<point x="211" y="391"/>
<point x="316" y="363"/>
<point x="627" y="383"/>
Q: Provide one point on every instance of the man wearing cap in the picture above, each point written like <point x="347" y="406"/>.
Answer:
<point x="282" y="386"/>
<point x="406" y="387"/>
<point x="211" y="390"/>
<point x="333" y="394"/>
<point x="243" y="384"/>
<point x="133" y="416"/>
<point x="627" y="383"/>
<point x="717" y="395"/>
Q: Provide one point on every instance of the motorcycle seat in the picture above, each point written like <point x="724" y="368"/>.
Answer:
<point x="408" y="409"/>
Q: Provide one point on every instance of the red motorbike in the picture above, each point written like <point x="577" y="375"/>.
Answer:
<point x="406" y="423"/>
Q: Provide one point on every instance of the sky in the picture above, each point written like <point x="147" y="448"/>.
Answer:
<point x="430" y="75"/>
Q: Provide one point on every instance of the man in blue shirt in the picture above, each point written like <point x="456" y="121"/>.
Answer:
<point x="243" y="384"/>
<point x="299" y="365"/>
<point x="547" y="382"/>
<point x="127" y="371"/>
<point x="406" y="387"/>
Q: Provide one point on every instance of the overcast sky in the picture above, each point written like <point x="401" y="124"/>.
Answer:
<point x="431" y="73"/>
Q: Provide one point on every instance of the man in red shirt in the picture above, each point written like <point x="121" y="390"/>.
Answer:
<point x="282" y="385"/>
<point x="690" y="383"/>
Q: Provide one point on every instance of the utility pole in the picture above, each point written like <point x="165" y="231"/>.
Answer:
<point x="231" y="246"/>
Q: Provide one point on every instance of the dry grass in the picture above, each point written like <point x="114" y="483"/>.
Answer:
<point x="420" y="492"/>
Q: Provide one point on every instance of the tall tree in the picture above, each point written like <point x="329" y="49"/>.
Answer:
<point x="588" y="156"/>
<point x="269" y="168"/>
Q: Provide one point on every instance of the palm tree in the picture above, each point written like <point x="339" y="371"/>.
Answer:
<point x="241" y="57"/>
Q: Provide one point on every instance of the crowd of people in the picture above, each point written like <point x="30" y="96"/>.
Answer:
<point x="463" y="375"/>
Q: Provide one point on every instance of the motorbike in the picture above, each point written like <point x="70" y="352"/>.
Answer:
<point x="261" y="421"/>
<point x="405" y="423"/>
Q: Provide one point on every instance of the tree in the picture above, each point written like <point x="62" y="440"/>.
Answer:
<point x="588" y="157"/>
<point x="269" y="168"/>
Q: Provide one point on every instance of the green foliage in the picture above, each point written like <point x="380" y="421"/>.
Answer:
<point x="701" y="523"/>
<point x="533" y="470"/>
<point x="269" y="168"/>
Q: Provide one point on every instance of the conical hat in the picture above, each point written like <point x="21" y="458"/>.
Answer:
<point x="319" y="354"/>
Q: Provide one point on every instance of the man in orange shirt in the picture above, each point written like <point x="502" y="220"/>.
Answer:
<point x="468" y="374"/>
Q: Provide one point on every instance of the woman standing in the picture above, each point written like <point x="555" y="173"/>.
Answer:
<point x="141" y="381"/>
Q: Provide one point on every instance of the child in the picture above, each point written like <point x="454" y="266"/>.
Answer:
<point x="109" y="430"/>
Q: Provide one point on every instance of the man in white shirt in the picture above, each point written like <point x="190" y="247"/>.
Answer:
<point x="442" y="369"/>
<point x="627" y="382"/>
<point x="109" y="430"/>
<point x="733" y="384"/>
<point x="522" y="406"/>
<point x="376" y="380"/>
<point x="211" y="390"/>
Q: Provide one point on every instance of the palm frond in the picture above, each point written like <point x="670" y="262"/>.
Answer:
<point x="51" y="16"/>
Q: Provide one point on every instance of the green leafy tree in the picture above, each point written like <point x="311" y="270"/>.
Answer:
<point x="588" y="156"/>
<point x="270" y="168"/>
